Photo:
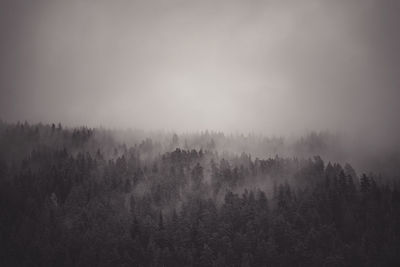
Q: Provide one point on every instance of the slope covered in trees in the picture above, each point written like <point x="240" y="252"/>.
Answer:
<point x="81" y="197"/>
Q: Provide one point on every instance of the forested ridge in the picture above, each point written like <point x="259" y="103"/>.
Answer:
<point x="81" y="197"/>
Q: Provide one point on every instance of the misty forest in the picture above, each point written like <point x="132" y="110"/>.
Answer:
<point x="199" y="133"/>
<point x="96" y="197"/>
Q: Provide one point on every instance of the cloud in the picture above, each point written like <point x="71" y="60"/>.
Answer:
<point x="265" y="66"/>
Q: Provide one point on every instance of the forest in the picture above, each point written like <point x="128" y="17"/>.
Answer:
<point x="95" y="197"/>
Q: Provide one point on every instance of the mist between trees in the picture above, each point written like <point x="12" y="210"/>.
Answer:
<point x="96" y="197"/>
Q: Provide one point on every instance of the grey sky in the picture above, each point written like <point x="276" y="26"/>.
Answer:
<point x="262" y="66"/>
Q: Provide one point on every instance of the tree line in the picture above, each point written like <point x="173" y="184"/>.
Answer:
<point x="77" y="197"/>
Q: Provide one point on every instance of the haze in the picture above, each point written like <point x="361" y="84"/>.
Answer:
<point x="274" y="67"/>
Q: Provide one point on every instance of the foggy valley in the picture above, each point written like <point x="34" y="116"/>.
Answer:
<point x="199" y="133"/>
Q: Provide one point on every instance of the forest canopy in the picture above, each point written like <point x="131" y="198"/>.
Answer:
<point x="96" y="197"/>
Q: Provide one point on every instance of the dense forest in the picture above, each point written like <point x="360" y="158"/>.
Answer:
<point x="93" y="197"/>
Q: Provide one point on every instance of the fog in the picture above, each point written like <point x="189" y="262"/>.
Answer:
<point x="270" y="67"/>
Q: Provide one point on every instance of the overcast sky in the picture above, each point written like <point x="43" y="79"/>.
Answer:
<point x="275" y="67"/>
